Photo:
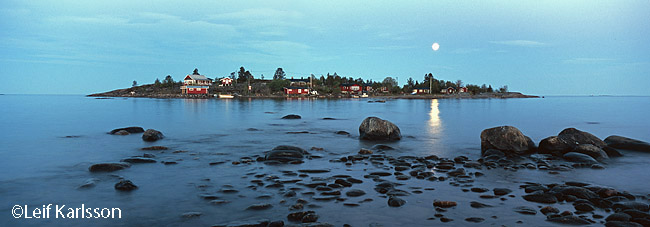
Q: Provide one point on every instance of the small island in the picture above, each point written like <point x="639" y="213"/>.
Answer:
<point x="197" y="86"/>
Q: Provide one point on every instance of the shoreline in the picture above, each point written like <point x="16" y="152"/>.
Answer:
<point x="112" y="94"/>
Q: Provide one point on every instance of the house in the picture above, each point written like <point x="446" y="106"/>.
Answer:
<point x="350" y="88"/>
<point x="421" y="90"/>
<point x="299" y="82"/>
<point x="196" y="84"/>
<point x="367" y="87"/>
<point x="384" y="89"/>
<point x="226" y="82"/>
<point x="449" y="90"/>
<point x="296" y="90"/>
<point x="462" y="90"/>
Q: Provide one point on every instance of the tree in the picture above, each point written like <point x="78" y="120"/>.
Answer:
<point x="135" y="83"/>
<point x="409" y="83"/>
<point x="169" y="80"/>
<point x="503" y="89"/>
<point x="459" y="83"/>
<point x="278" y="84"/>
<point x="279" y="74"/>
<point x="490" y="89"/>
<point x="232" y="75"/>
<point x="389" y="82"/>
<point x="262" y="76"/>
<point x="196" y="72"/>
<point x="241" y="75"/>
<point x="156" y="83"/>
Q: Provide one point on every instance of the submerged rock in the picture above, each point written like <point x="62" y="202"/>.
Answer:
<point x="138" y="160"/>
<point x="108" y="167"/>
<point x="540" y="197"/>
<point x="152" y="135"/>
<point x="507" y="139"/>
<point x="125" y="185"/>
<point x="627" y="143"/>
<point x="396" y="202"/>
<point x="374" y="128"/>
<point x="592" y="150"/>
<point x="292" y="116"/>
<point x="579" y="158"/>
<point x="128" y="129"/>
<point x="284" y="153"/>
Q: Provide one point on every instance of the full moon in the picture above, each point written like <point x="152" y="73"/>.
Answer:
<point x="435" y="46"/>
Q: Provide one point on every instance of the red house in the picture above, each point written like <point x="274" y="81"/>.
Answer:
<point x="350" y="88"/>
<point x="195" y="84"/>
<point x="449" y="90"/>
<point x="296" y="90"/>
<point x="462" y="90"/>
<point x="226" y="82"/>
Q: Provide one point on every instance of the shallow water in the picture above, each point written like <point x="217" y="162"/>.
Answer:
<point x="41" y="166"/>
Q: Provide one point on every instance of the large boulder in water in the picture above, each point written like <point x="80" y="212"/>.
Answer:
<point x="627" y="143"/>
<point x="374" y="128"/>
<point x="592" y="150"/>
<point x="554" y="145"/>
<point x="284" y="153"/>
<point x="507" y="139"/>
<point x="579" y="158"/>
<point x="128" y="129"/>
<point x="152" y="135"/>
<point x="574" y="137"/>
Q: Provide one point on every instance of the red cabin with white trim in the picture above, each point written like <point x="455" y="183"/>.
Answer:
<point x="296" y="90"/>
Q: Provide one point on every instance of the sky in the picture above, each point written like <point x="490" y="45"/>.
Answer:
<point x="534" y="47"/>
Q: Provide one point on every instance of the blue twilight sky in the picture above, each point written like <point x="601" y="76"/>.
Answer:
<point x="537" y="47"/>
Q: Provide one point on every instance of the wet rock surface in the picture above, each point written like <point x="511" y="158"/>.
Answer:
<point x="152" y="135"/>
<point x="374" y="128"/>
<point x="129" y="130"/>
<point x="621" y="142"/>
<point x="108" y="167"/>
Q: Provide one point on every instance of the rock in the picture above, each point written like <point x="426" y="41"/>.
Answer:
<point x="128" y="129"/>
<point x="554" y="145"/>
<point x="138" y="160"/>
<point x="569" y="220"/>
<point x="284" y="153"/>
<point x="292" y="116"/>
<point x="125" y="185"/>
<point x="627" y="143"/>
<point x="396" y="202"/>
<point x="618" y="217"/>
<point x="475" y="204"/>
<point x="365" y="151"/>
<point x="611" y="152"/>
<point x="474" y="219"/>
<point x="298" y="216"/>
<point x="314" y="170"/>
<point x="89" y="183"/>
<point x="632" y="205"/>
<point x="574" y="137"/>
<point x="121" y="133"/>
<point x="622" y="224"/>
<point x="108" y="167"/>
<point x="507" y="139"/>
<point x="579" y="158"/>
<point x="578" y="192"/>
<point x="540" y="197"/>
<point x="501" y="191"/>
<point x="191" y="214"/>
<point x="309" y="218"/>
<point x="247" y="223"/>
<point x="479" y="190"/>
<point x="549" y="210"/>
<point x="374" y="128"/>
<point x="525" y="210"/>
<point x="152" y="135"/>
<point x="259" y="206"/>
<point x="583" y="207"/>
<point x="382" y="147"/>
<point x="355" y="193"/>
<point x="444" y="204"/>
<point x="342" y="133"/>
<point x="154" y="148"/>
<point x="592" y="150"/>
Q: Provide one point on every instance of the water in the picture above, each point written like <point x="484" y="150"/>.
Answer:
<point x="41" y="166"/>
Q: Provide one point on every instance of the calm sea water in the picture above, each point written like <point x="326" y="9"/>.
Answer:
<point x="41" y="166"/>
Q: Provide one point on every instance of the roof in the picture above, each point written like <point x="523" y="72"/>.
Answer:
<point x="296" y="87"/>
<point x="347" y="85"/>
<point x="197" y="77"/>
<point x="226" y="78"/>
<point x="299" y="80"/>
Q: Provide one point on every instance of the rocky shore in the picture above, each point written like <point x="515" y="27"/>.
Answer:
<point x="298" y="191"/>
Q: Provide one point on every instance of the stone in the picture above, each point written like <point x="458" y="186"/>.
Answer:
<point x="627" y="143"/>
<point x="138" y="160"/>
<point x="259" y="206"/>
<point x="569" y="220"/>
<point x="154" y="148"/>
<point x="152" y="135"/>
<point x="374" y="128"/>
<point x="549" y="210"/>
<point x="444" y="204"/>
<point x="355" y="193"/>
<point x="121" y="133"/>
<point x="507" y="139"/>
<point x="292" y="116"/>
<point x="396" y="202"/>
<point x="108" y="167"/>
<point x="574" y="137"/>
<point x="342" y="133"/>
<point x="525" y="210"/>
<point x="540" y="197"/>
<point x="365" y="151"/>
<point x="592" y="150"/>
<point x="284" y="153"/>
<point x="554" y="145"/>
<point x="191" y="214"/>
<point x="125" y="185"/>
<point x="618" y="217"/>
<point x="298" y="216"/>
<point x="128" y="129"/>
<point x="501" y="191"/>
<point x="475" y="204"/>
<point x="474" y="219"/>
<point x="579" y="158"/>
<point x="89" y="183"/>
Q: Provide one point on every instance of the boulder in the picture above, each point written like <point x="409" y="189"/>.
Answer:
<point x="292" y="116"/>
<point x="554" y="145"/>
<point x="592" y="150"/>
<point x="152" y="135"/>
<point x="540" y="197"/>
<point x="507" y="139"/>
<point x="284" y="153"/>
<point x="128" y="129"/>
<point x="108" y="167"/>
<point x="374" y="128"/>
<point x="125" y="185"/>
<point x="579" y="158"/>
<point x="138" y="160"/>
<point x="396" y="202"/>
<point x="574" y="137"/>
<point x="627" y="143"/>
<point x="121" y="133"/>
